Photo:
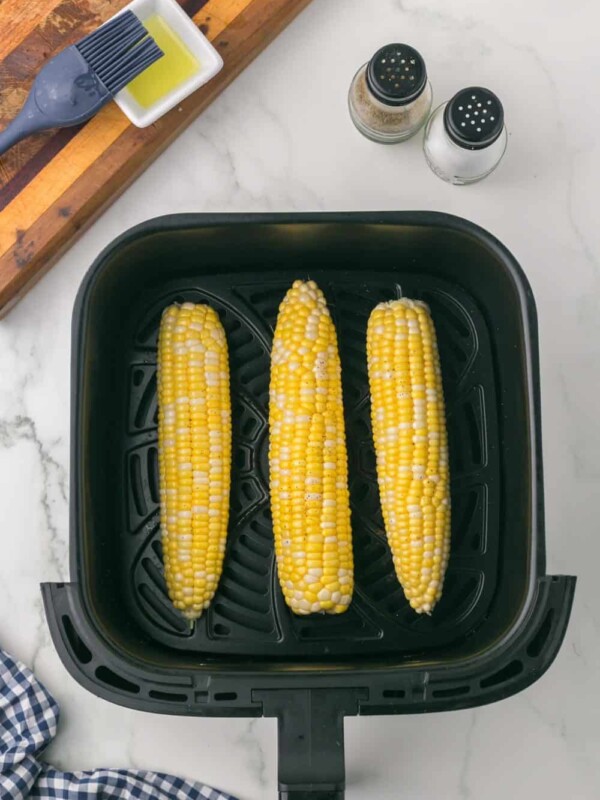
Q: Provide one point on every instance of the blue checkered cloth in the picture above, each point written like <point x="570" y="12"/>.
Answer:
<point x="28" y="723"/>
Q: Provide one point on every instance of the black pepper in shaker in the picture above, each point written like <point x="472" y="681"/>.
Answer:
<point x="390" y="96"/>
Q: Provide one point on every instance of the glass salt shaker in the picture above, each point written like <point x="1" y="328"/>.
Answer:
<point x="390" y="96"/>
<point x="465" y="138"/>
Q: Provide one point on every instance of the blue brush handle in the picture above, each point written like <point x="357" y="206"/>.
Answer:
<point x="27" y="122"/>
<point x="11" y="135"/>
<point x="66" y="92"/>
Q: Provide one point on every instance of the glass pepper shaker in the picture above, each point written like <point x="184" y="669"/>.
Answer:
<point x="390" y="96"/>
<point x="465" y="138"/>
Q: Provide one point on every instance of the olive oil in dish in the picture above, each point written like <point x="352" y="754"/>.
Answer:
<point x="189" y="62"/>
<point x="178" y="64"/>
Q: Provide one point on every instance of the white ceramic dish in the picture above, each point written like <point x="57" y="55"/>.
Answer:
<point x="209" y="59"/>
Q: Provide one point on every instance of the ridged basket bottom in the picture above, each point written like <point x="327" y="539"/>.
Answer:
<point x="248" y="616"/>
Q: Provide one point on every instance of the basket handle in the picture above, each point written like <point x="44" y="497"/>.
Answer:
<point x="311" y="740"/>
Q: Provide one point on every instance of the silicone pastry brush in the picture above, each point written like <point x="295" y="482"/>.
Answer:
<point x="77" y="82"/>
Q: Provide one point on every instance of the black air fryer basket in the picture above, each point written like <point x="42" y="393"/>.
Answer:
<point x="501" y="620"/>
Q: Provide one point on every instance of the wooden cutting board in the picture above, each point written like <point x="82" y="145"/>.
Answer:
<point x="55" y="184"/>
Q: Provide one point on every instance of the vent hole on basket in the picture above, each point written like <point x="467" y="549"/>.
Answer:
<point x="111" y="678"/>
<point x="451" y="691"/>
<point x="243" y="338"/>
<point x="173" y="697"/>
<point x="256" y="621"/>
<point x="263" y="529"/>
<point x="164" y="612"/>
<point x="386" y="586"/>
<point x="258" y="548"/>
<point x="394" y="693"/>
<point x="249" y="426"/>
<point x="231" y="323"/>
<point x="474" y="435"/>
<point x="249" y="491"/>
<point x="242" y="459"/>
<point x="267" y="302"/>
<point x="147" y="409"/>
<point x="247" y="495"/>
<point x="252" y="370"/>
<point x="222" y="630"/>
<point x="511" y="670"/>
<point x="152" y="457"/>
<point x="453" y="314"/>
<point x="138" y="377"/>
<point x="249" y="602"/>
<point x="224" y="696"/>
<point x="79" y="648"/>
<point x="468" y="520"/>
<point x="158" y="549"/>
<point x="536" y="645"/>
<point x="137" y="485"/>
<point x="155" y="574"/>
<point x="236" y="575"/>
<point x="461" y="527"/>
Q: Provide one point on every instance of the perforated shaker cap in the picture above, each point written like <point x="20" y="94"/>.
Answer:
<point x="396" y="74"/>
<point x="474" y="118"/>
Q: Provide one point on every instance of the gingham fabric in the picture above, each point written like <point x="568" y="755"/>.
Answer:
<point x="28" y="723"/>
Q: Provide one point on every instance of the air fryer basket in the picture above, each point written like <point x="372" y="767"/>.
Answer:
<point x="501" y="620"/>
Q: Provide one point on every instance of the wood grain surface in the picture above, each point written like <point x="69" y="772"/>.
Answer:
<point x="55" y="184"/>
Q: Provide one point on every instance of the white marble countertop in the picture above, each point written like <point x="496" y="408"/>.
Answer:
<point x="280" y="139"/>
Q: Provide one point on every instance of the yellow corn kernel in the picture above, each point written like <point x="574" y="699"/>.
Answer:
<point x="307" y="455"/>
<point x="409" y="432"/>
<point x="194" y="444"/>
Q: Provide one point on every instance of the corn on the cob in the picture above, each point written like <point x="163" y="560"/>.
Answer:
<point x="308" y="461"/>
<point x="194" y="440"/>
<point x="409" y="431"/>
